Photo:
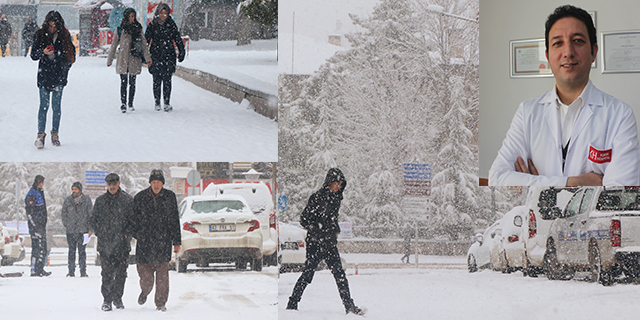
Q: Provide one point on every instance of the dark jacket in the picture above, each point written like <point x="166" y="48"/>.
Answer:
<point x="5" y="31"/>
<point x="53" y="69"/>
<point x="36" y="207"/>
<point x="28" y="31"/>
<point x="161" y="39"/>
<point x="320" y="216"/>
<point x="75" y="217"/>
<point x="111" y="220"/>
<point x="157" y="225"/>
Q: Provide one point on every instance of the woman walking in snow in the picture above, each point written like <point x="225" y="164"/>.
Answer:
<point x="132" y="53"/>
<point x="53" y="47"/>
<point x="163" y="36"/>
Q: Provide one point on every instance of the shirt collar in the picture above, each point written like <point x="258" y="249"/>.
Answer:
<point x="582" y="98"/>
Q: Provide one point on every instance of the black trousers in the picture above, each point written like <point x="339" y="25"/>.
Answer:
<point x="131" y="79"/>
<point x="74" y="241"/>
<point x="162" y="80"/>
<point x="38" y="248"/>
<point x="114" y="275"/>
<point x="316" y="252"/>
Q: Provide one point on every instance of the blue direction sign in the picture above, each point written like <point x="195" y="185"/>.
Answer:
<point x="95" y="177"/>
<point x="283" y="201"/>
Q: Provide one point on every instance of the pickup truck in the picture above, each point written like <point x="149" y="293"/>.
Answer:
<point x="598" y="231"/>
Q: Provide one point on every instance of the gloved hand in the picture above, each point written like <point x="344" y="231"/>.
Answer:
<point x="181" y="56"/>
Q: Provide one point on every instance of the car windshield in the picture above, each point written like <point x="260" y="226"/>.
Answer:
<point x="217" y="205"/>
<point x="619" y="200"/>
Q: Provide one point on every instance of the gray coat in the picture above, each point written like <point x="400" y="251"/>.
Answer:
<point x="75" y="218"/>
<point x="127" y="64"/>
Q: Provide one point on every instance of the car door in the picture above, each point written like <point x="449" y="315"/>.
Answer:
<point x="578" y="250"/>
<point x="564" y="226"/>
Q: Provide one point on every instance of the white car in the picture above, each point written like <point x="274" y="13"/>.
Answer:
<point x="258" y="196"/>
<point x="484" y="253"/>
<point x="543" y="205"/>
<point x="599" y="232"/>
<point x="513" y="238"/>
<point x="292" y="249"/>
<point x="219" y="229"/>
<point x="13" y="246"/>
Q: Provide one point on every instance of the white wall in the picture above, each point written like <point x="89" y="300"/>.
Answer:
<point x="504" y="20"/>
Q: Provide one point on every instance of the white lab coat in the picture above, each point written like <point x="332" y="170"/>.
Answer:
<point x="605" y="123"/>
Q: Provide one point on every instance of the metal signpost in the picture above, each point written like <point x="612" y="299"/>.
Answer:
<point x="417" y="190"/>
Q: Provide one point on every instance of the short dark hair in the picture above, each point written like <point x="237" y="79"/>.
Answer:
<point x="574" y="12"/>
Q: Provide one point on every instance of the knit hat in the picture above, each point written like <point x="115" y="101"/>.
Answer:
<point x="112" y="178"/>
<point x="156" y="174"/>
<point x="78" y="185"/>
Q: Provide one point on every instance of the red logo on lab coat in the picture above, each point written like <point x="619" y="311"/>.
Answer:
<point x="599" y="156"/>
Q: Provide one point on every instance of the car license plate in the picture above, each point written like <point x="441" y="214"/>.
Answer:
<point x="290" y="246"/>
<point x="222" y="227"/>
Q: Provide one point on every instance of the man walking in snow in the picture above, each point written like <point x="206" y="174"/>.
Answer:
<point x="111" y="220"/>
<point x="157" y="231"/>
<point x="320" y="219"/>
<point x="76" y="212"/>
<point x="36" y="207"/>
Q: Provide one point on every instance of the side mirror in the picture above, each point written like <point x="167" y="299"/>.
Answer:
<point x="479" y="238"/>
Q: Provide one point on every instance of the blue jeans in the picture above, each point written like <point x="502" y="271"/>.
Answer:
<point x="44" y="107"/>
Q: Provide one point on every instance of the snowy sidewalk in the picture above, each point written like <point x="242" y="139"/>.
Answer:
<point x="392" y="261"/>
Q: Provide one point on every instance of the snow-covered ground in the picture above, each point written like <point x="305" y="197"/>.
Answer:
<point x="217" y="292"/>
<point x="453" y="293"/>
<point x="254" y="66"/>
<point x="202" y="126"/>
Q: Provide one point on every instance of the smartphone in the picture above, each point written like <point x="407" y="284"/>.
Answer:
<point x="50" y="47"/>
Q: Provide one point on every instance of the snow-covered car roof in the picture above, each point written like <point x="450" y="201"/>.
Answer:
<point x="289" y="232"/>
<point x="257" y="195"/>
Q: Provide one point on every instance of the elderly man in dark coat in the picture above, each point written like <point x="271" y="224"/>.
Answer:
<point x="320" y="218"/>
<point x="157" y="230"/>
<point x="76" y="213"/>
<point x="111" y="220"/>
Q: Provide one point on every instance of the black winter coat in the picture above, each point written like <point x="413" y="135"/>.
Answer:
<point x="161" y="39"/>
<point x="36" y="207"/>
<point x="157" y="225"/>
<point x="52" y="70"/>
<point x="28" y="31"/>
<point x="320" y="216"/>
<point x="112" y="222"/>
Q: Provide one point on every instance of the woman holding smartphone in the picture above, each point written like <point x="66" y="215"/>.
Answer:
<point x="53" y="47"/>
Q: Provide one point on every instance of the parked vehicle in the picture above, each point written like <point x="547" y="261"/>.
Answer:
<point x="292" y="249"/>
<point x="13" y="246"/>
<point x="485" y="252"/>
<point x="258" y="197"/>
<point x="219" y="229"/>
<point x="513" y="234"/>
<point x="599" y="232"/>
<point x="541" y="205"/>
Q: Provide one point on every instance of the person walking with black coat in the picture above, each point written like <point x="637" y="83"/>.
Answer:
<point x="163" y="36"/>
<point x="28" y="32"/>
<point x="53" y="48"/>
<point x="157" y="231"/>
<point x="36" y="207"/>
<point x="76" y="213"/>
<point x="111" y="220"/>
<point x="133" y="52"/>
<point x="320" y="219"/>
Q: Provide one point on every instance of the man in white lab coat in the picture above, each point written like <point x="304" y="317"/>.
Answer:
<point x="573" y="135"/>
